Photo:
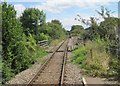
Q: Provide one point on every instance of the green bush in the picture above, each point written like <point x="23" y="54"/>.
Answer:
<point x="113" y="66"/>
<point x="33" y="50"/>
<point x="7" y="73"/>
<point x="19" y="51"/>
<point x="79" y="55"/>
<point x="14" y="54"/>
<point x="95" y="65"/>
<point x="43" y="36"/>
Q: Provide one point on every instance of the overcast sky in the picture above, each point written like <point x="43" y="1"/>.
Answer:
<point x="66" y="10"/>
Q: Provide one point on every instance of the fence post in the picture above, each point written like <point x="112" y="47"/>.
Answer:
<point x="91" y="53"/>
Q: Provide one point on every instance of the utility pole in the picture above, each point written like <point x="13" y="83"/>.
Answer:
<point x="119" y="30"/>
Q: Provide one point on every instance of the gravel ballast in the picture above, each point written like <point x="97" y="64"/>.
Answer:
<point x="25" y="76"/>
<point x="72" y="73"/>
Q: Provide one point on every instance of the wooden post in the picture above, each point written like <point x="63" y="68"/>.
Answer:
<point x="91" y="53"/>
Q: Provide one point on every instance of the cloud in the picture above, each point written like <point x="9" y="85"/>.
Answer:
<point x="19" y="8"/>
<point x="23" y="0"/>
<point x="68" y="21"/>
<point x="56" y="6"/>
<point x="115" y="14"/>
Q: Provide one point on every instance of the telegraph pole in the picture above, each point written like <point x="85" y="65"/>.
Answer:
<point x="119" y="30"/>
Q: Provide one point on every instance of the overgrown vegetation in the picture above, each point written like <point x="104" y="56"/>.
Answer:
<point x="93" y="58"/>
<point x="20" y="38"/>
<point x="98" y="54"/>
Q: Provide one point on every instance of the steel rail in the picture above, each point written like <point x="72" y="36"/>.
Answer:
<point x="61" y="82"/>
<point x="43" y="66"/>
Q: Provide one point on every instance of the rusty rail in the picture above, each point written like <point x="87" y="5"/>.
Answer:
<point x="43" y="66"/>
<point x="63" y="66"/>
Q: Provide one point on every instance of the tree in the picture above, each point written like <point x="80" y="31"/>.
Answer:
<point x="107" y="28"/>
<point x="32" y="20"/>
<point x="56" y="22"/>
<point x="77" y="29"/>
<point x="55" y="29"/>
<point x="13" y="51"/>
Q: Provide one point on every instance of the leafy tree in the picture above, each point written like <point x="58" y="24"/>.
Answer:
<point x="13" y="53"/>
<point x="55" y="29"/>
<point x="77" y="29"/>
<point x="43" y="37"/>
<point x="33" y="21"/>
<point x="108" y="28"/>
<point x="56" y="22"/>
<point x="108" y="32"/>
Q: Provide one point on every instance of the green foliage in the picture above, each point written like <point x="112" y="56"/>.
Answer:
<point x="39" y="52"/>
<point x="77" y="29"/>
<point x="13" y="48"/>
<point x="79" y="55"/>
<point x="33" y="21"/>
<point x="105" y="38"/>
<point x="43" y="36"/>
<point x="113" y="66"/>
<point x="33" y="50"/>
<point x="30" y="19"/>
<point x="19" y="51"/>
<point x="56" y="22"/>
<point x="107" y="28"/>
<point x="55" y="29"/>
<point x="7" y="73"/>
<point x="97" y="64"/>
<point x="30" y="42"/>
<point x="19" y="38"/>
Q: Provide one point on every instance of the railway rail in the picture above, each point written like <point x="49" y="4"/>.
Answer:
<point x="57" y="70"/>
<point x="52" y="71"/>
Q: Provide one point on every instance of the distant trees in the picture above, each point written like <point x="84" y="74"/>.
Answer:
<point x="55" y="29"/>
<point x="77" y="29"/>
<point x="106" y="29"/>
<point x="34" y="22"/>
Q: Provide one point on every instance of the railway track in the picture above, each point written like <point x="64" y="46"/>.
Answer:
<point x="52" y="71"/>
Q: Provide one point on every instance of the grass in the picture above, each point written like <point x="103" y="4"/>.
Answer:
<point x="79" y="55"/>
<point x="93" y="59"/>
<point x="38" y="53"/>
<point x="56" y="41"/>
<point x="0" y="57"/>
<point x="0" y="63"/>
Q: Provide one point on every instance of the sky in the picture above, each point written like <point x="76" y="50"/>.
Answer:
<point x="66" y="10"/>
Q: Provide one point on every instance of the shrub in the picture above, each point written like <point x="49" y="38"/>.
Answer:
<point x="92" y="58"/>
<point x="43" y="36"/>
<point x="79" y="55"/>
